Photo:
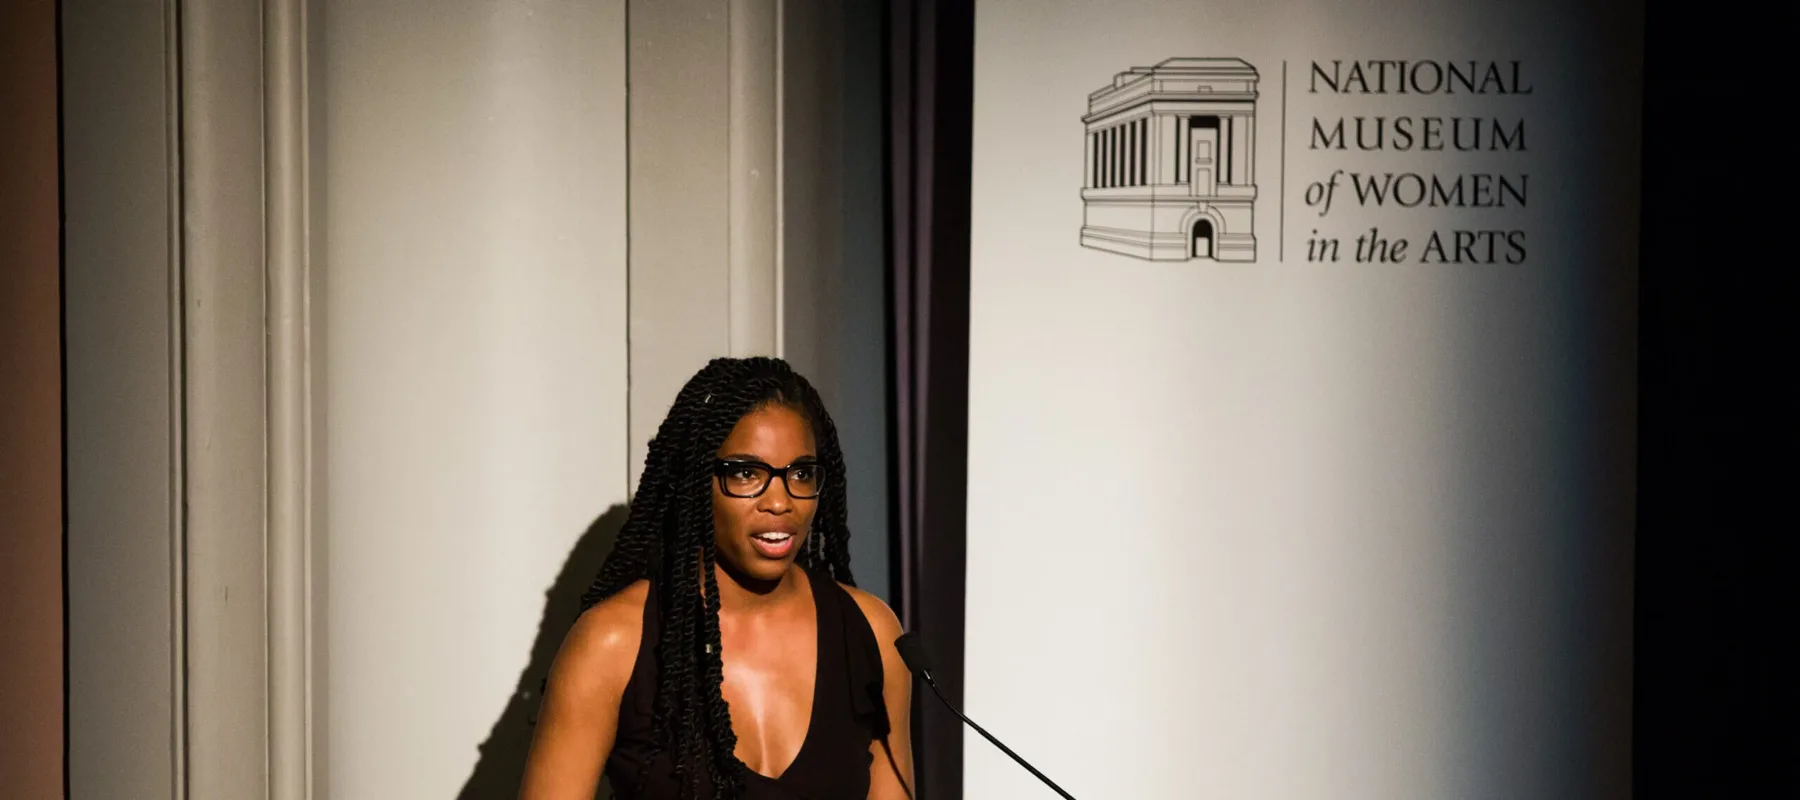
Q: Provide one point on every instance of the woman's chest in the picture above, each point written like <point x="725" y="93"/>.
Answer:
<point x="771" y="684"/>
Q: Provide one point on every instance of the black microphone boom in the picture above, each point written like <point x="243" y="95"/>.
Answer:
<point x="912" y="651"/>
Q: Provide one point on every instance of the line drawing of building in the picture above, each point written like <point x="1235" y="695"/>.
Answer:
<point x="1170" y="172"/>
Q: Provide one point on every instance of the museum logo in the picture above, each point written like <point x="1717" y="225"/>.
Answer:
<point x="1171" y="162"/>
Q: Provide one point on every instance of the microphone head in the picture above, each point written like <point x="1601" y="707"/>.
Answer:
<point x="912" y="651"/>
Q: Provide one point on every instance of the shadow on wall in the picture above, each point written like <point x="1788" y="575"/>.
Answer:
<point x="502" y="763"/>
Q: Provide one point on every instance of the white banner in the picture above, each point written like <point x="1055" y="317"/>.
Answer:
<point x="1301" y="411"/>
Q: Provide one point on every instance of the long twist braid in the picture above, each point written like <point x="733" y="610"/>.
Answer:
<point x="668" y="538"/>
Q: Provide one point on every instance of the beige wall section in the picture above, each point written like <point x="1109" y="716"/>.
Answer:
<point x="812" y="191"/>
<point x="475" y="362"/>
<point x="680" y="176"/>
<point x="705" y="254"/>
<point x="207" y="313"/>
<point x="119" y="323"/>
<point x="439" y="190"/>
<point x="120" y="326"/>
<point x="31" y="662"/>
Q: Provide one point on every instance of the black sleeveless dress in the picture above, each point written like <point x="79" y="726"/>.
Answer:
<point x="847" y="714"/>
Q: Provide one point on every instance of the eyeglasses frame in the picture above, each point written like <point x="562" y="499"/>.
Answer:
<point x="721" y="466"/>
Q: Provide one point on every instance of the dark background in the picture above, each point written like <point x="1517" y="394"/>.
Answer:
<point x="1713" y="702"/>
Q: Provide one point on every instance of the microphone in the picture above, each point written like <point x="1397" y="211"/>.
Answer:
<point x="912" y="651"/>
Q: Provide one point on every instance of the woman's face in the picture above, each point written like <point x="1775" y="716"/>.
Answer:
<point x="758" y="537"/>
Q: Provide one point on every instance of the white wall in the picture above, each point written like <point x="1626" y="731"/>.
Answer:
<point x="1299" y="530"/>
<point x="476" y="361"/>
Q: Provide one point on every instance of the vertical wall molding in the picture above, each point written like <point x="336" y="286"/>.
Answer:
<point x="289" y="394"/>
<point x="753" y="212"/>
<point x="225" y="356"/>
<point x="176" y="330"/>
<point x="779" y="193"/>
<point x="246" y="371"/>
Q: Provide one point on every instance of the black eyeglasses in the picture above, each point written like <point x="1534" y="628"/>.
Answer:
<point x="752" y="478"/>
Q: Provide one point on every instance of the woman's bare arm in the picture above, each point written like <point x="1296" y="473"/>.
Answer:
<point x="580" y="712"/>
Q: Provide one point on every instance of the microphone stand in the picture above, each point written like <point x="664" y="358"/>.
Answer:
<point x="926" y="674"/>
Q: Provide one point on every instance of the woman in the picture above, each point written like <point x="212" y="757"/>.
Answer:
<point x="723" y="650"/>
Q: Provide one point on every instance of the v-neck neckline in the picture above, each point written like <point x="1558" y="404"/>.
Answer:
<point x="812" y="714"/>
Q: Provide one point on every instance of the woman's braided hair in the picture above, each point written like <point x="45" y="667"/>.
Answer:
<point x="671" y="520"/>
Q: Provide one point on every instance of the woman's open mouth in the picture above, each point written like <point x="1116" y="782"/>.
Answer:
<point x="772" y="544"/>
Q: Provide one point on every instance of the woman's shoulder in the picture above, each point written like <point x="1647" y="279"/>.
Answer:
<point x="881" y="618"/>
<point x="616" y="621"/>
<point x="882" y="680"/>
<point x="602" y="648"/>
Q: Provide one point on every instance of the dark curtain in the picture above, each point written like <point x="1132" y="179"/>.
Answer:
<point x="930" y="91"/>
<point x="1714" y="702"/>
